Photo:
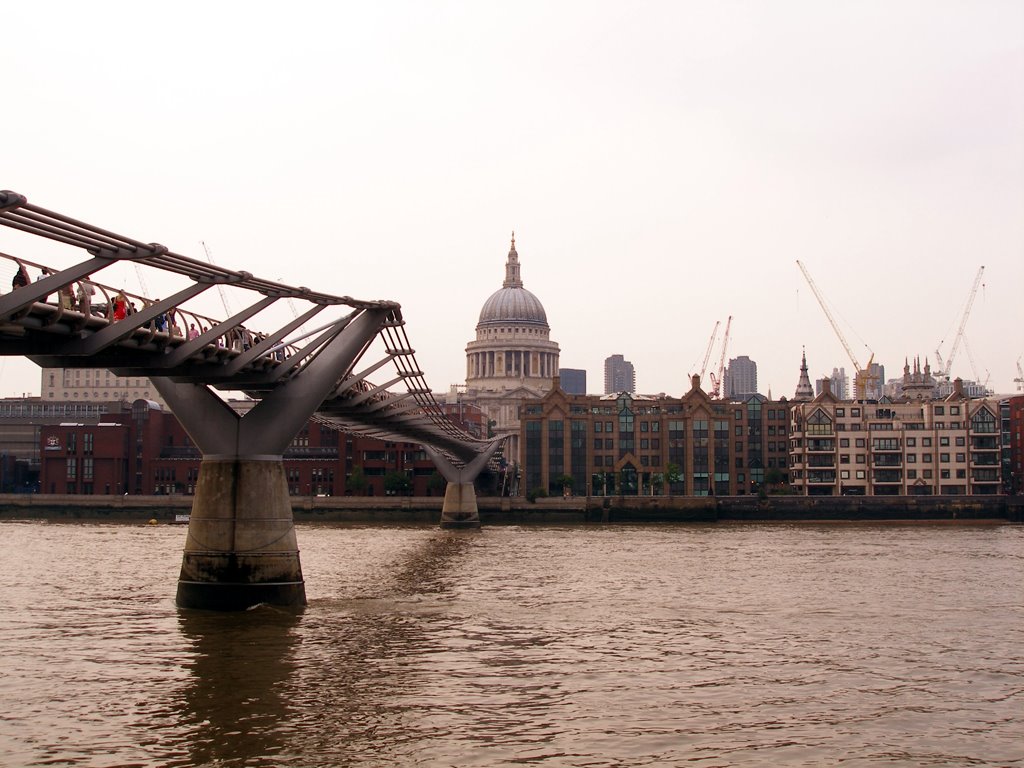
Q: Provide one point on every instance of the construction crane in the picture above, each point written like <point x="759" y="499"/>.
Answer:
<point x="944" y="367"/>
<point x="862" y="376"/>
<point x="716" y="381"/>
<point x="974" y="368"/>
<point x="1020" y="376"/>
<point x="220" y="288"/>
<point x="707" y="353"/>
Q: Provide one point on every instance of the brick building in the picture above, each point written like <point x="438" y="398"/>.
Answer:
<point x="948" y="447"/>
<point x="145" y="450"/>
<point x="633" y="445"/>
<point x="1013" y="444"/>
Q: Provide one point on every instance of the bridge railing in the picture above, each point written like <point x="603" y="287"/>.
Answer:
<point x="90" y="303"/>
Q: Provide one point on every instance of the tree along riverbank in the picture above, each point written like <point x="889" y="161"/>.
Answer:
<point x="575" y="510"/>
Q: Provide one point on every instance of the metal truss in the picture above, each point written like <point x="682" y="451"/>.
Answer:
<point x="39" y="321"/>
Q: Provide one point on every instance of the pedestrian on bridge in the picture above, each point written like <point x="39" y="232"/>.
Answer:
<point x="120" y="306"/>
<point x="86" y="290"/>
<point x="20" y="279"/>
<point x="44" y="273"/>
<point x="160" y="320"/>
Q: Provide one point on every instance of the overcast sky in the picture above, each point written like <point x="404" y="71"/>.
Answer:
<point x="664" y="165"/>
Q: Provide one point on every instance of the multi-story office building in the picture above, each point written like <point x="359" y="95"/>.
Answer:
<point x="574" y="380"/>
<point x="626" y="444"/>
<point x="838" y="382"/>
<point x="740" y="377"/>
<point x="913" y="447"/>
<point x="619" y="375"/>
<point x="1013" y="439"/>
<point x="96" y="385"/>
<point x="875" y="382"/>
<point x="21" y="423"/>
<point x="512" y="357"/>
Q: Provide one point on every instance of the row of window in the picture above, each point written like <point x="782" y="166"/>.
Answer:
<point x="893" y="444"/>
<point x="893" y="476"/>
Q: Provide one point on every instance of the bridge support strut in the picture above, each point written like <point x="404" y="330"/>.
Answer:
<point x="241" y="548"/>
<point x="460" y="509"/>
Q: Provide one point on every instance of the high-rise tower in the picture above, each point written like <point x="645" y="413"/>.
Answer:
<point x="619" y="375"/>
<point x="740" y="377"/>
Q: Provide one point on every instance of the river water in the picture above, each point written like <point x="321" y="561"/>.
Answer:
<point x="723" y="645"/>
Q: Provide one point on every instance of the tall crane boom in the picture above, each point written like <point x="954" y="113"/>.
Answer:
<point x="963" y="324"/>
<point x="828" y="314"/>
<point x="707" y="353"/>
<point x="861" y="375"/>
<point x="716" y="381"/>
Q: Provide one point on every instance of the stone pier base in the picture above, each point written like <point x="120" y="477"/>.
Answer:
<point x="460" y="510"/>
<point x="241" y="548"/>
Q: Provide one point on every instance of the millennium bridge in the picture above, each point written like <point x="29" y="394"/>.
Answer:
<point x="241" y="547"/>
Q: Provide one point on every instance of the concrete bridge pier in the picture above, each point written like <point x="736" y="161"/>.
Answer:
<point x="241" y="548"/>
<point x="460" y="509"/>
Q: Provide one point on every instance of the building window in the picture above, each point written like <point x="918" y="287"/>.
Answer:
<point x="983" y="421"/>
<point x="818" y="423"/>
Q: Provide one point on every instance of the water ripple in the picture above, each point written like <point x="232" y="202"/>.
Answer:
<point x="706" y="645"/>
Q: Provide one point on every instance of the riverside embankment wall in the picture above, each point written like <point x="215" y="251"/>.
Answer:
<point x="576" y="510"/>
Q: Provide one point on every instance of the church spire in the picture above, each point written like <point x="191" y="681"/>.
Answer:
<point x="512" y="278"/>
<point x="804" y="390"/>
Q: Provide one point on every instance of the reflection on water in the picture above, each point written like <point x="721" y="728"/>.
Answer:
<point x="710" y="645"/>
<point x="235" y="705"/>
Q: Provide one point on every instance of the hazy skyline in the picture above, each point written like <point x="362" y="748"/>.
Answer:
<point x="663" y="165"/>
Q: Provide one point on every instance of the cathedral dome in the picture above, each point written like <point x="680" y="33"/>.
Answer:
<point x="512" y="303"/>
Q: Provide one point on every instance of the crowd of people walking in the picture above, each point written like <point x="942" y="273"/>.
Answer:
<point x="92" y="300"/>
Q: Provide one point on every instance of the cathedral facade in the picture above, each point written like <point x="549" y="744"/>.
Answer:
<point x="512" y="356"/>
